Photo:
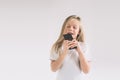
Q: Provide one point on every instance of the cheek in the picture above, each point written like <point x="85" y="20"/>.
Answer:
<point x="65" y="31"/>
<point x="77" y="32"/>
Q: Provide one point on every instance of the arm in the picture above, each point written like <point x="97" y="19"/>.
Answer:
<point x="84" y="64"/>
<point x="56" y="64"/>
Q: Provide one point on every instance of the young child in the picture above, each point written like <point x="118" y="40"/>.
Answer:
<point x="70" y="62"/>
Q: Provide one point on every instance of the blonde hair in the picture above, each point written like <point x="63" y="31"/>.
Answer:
<point x="58" y="44"/>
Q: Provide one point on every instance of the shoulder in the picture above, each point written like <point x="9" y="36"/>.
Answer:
<point x="82" y="44"/>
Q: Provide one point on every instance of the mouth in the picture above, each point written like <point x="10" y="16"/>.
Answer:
<point x="70" y="33"/>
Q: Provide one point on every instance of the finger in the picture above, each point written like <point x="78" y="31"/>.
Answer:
<point x="74" y="40"/>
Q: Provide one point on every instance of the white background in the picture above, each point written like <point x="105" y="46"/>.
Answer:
<point x="28" y="28"/>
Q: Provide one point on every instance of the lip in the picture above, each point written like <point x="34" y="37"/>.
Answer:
<point x="70" y="33"/>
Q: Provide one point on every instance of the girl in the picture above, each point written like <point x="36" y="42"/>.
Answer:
<point x="70" y="62"/>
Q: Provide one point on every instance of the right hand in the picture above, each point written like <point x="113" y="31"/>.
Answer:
<point x="66" y="45"/>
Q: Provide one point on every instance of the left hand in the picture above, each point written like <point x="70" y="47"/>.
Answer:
<point x="75" y="43"/>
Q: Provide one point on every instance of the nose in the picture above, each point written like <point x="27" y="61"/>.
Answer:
<point x="71" y="28"/>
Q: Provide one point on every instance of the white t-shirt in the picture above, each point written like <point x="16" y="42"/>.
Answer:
<point x="70" y="68"/>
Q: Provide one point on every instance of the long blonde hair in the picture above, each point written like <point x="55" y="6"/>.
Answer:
<point x="58" y="44"/>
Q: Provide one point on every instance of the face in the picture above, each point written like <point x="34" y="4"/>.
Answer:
<point x="72" y="27"/>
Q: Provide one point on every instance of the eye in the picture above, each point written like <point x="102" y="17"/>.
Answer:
<point x="74" y="27"/>
<point x="68" y="26"/>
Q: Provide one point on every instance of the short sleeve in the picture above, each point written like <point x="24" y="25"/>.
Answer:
<point x="54" y="56"/>
<point x="86" y="51"/>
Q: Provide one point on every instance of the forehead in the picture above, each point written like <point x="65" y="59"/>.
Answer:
<point x="73" y="22"/>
